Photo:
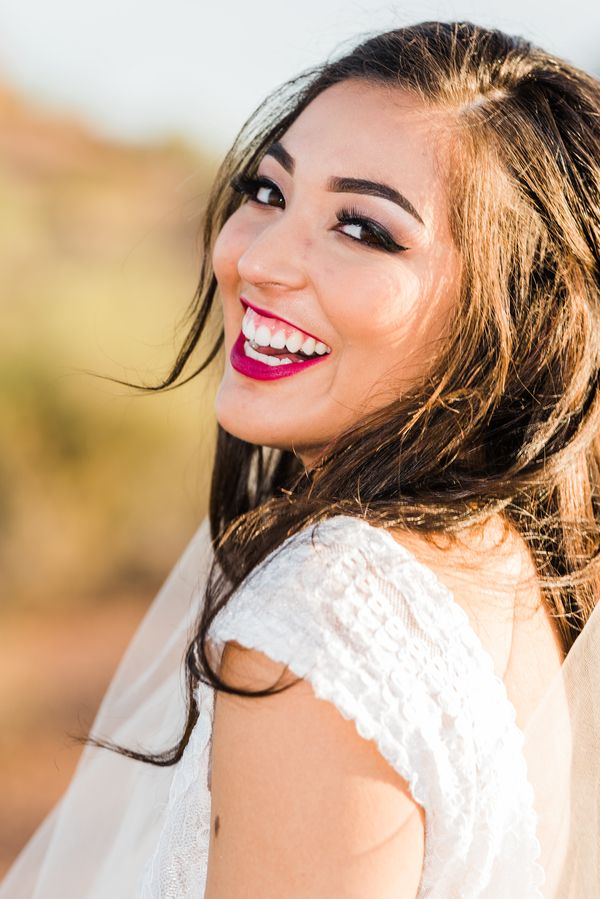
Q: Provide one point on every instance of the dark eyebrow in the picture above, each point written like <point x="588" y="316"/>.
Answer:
<point x="374" y="189"/>
<point x="349" y="185"/>
<point x="282" y="156"/>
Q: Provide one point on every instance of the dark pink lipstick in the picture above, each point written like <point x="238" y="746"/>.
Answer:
<point x="262" y="371"/>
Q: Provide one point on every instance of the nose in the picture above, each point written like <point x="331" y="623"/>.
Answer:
<point x="274" y="255"/>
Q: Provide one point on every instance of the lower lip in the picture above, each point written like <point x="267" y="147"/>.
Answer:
<point x="253" y="368"/>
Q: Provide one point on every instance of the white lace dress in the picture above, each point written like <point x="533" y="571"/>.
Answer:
<point x="377" y="634"/>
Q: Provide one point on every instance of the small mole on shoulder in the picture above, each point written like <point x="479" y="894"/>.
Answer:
<point x="217" y="825"/>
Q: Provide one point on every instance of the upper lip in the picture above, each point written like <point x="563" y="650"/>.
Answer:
<point x="280" y="318"/>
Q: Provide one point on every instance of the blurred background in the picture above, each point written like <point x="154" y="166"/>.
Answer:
<point x="113" y="118"/>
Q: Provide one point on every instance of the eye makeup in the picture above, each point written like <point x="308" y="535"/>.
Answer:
<point x="377" y="236"/>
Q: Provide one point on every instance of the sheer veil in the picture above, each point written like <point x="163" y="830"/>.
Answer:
<point x="562" y="750"/>
<point x="95" y="842"/>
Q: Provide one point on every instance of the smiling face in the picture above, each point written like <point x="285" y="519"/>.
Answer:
<point x="328" y="314"/>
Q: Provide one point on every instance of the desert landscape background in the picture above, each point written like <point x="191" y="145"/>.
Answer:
<point x="101" y="486"/>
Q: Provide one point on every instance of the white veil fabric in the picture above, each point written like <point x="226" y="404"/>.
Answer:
<point x="95" y="842"/>
<point x="562" y="750"/>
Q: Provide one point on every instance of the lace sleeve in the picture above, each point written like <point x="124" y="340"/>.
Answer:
<point x="377" y="634"/>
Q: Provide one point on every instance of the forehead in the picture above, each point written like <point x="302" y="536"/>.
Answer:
<point x="379" y="132"/>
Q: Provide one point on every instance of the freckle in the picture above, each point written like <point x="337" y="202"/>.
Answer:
<point x="217" y="825"/>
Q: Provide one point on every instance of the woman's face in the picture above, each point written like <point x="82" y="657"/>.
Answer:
<point x="340" y="312"/>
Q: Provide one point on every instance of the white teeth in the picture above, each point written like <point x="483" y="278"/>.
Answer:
<point x="248" y="329"/>
<point x="278" y="340"/>
<point x="268" y="360"/>
<point x="294" y="342"/>
<point x="263" y="336"/>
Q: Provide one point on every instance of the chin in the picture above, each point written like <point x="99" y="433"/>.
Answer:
<point x="233" y="417"/>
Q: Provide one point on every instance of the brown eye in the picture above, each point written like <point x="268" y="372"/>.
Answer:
<point x="373" y="233"/>
<point x="261" y="190"/>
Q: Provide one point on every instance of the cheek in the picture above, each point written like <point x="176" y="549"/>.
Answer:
<point x="390" y="323"/>
<point x="375" y="307"/>
<point x="228" y="248"/>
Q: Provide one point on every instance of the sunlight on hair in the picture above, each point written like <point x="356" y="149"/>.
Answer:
<point x="483" y="99"/>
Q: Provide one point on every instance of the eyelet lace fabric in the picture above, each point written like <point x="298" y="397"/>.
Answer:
<point x="376" y="633"/>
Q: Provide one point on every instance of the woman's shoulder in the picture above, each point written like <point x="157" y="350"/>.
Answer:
<point x="354" y="611"/>
<point x="347" y="606"/>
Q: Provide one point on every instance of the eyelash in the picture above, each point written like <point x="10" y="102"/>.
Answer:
<point x="348" y="215"/>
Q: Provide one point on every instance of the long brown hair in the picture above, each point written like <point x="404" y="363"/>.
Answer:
<point x="507" y="419"/>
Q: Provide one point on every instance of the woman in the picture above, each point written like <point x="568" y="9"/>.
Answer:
<point x="404" y="506"/>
